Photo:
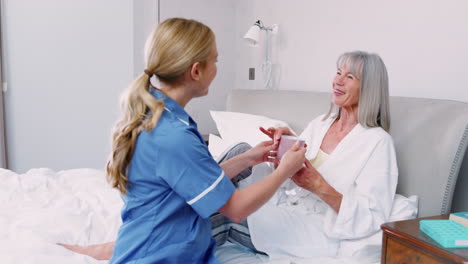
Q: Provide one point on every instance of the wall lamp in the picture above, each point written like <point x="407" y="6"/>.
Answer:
<point x="253" y="34"/>
<point x="252" y="37"/>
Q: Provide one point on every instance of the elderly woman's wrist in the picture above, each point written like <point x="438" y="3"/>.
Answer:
<point x="321" y="188"/>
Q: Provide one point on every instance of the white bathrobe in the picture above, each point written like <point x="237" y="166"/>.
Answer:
<point x="362" y="168"/>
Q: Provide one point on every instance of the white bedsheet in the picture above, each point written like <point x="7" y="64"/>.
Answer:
<point x="364" y="251"/>
<point x="41" y="208"/>
<point x="230" y="253"/>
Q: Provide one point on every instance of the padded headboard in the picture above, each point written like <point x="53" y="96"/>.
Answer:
<point x="430" y="135"/>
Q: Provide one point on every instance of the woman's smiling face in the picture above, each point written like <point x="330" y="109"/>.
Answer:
<point x="346" y="88"/>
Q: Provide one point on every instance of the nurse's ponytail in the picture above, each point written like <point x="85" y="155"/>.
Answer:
<point x="170" y="50"/>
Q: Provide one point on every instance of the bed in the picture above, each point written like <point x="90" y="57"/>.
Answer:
<point x="42" y="207"/>
<point x="431" y="138"/>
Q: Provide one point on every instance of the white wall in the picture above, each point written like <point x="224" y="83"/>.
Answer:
<point x="219" y="16"/>
<point x="145" y="19"/>
<point x="423" y="43"/>
<point x="67" y="62"/>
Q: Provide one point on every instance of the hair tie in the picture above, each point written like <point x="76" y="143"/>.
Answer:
<point x="148" y="72"/>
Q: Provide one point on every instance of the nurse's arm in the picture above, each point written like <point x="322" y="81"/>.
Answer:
<point x="244" y="202"/>
<point x="252" y="157"/>
<point x="236" y="165"/>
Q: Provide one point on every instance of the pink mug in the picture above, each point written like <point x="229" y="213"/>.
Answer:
<point x="286" y="143"/>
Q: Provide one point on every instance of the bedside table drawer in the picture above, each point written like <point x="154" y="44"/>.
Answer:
<point x="399" y="251"/>
<point x="404" y="243"/>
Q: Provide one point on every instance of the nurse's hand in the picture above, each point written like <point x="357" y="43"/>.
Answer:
<point x="263" y="152"/>
<point x="275" y="133"/>
<point x="292" y="161"/>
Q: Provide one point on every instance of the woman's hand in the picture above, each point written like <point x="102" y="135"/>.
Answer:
<point x="275" y="133"/>
<point x="98" y="251"/>
<point x="309" y="178"/>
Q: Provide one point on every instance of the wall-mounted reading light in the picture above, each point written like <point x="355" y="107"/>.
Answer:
<point x="253" y="34"/>
<point x="252" y="37"/>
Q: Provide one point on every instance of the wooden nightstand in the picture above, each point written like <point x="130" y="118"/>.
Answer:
<point x="404" y="243"/>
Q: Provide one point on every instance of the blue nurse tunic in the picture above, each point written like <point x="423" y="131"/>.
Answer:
<point x="174" y="186"/>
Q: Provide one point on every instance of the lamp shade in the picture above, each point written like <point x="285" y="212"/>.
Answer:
<point x="252" y="36"/>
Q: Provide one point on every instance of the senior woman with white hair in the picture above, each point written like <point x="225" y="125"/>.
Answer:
<point x="347" y="187"/>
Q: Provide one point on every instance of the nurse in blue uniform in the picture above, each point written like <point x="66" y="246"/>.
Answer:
<point x="159" y="162"/>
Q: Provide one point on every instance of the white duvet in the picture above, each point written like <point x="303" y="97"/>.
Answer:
<point x="41" y="208"/>
<point x="364" y="250"/>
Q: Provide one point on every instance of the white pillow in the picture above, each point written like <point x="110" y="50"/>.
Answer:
<point x="236" y="127"/>
<point x="217" y="146"/>
<point x="404" y="208"/>
<point x="369" y="248"/>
